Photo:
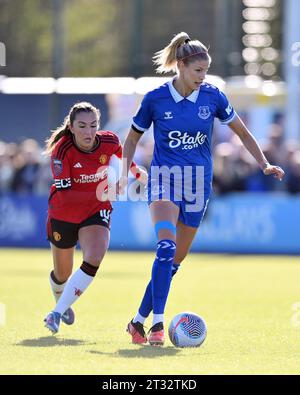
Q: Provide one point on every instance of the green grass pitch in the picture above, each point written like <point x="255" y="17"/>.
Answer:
<point x="248" y="302"/>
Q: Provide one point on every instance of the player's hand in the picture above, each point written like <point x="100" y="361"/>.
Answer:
<point x="275" y="170"/>
<point x="122" y="185"/>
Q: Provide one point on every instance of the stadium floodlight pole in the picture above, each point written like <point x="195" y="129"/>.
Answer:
<point x="222" y="36"/>
<point x="2" y="55"/>
<point x="58" y="53"/>
<point x="136" y="39"/>
<point x="291" y="30"/>
<point x="58" y="31"/>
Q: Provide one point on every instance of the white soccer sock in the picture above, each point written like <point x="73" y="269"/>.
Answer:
<point x="139" y="318"/>
<point x="158" y="318"/>
<point x="76" y="285"/>
<point x="57" y="289"/>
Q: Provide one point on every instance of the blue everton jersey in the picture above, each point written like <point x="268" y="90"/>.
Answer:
<point x="183" y="126"/>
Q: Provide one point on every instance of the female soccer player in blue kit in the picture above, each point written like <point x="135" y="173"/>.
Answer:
<point x="180" y="179"/>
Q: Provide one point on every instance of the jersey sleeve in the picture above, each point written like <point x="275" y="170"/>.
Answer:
<point x="225" y="111"/>
<point x="143" y="118"/>
<point x="60" y="168"/>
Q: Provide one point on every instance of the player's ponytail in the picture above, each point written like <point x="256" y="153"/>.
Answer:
<point x="56" y="135"/>
<point x="180" y="48"/>
<point x="64" y="129"/>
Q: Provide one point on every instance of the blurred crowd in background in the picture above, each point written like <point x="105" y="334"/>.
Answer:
<point x="50" y="39"/>
<point x="24" y="169"/>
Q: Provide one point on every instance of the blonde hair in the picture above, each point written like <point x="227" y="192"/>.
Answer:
<point x="180" y="48"/>
<point x="64" y="129"/>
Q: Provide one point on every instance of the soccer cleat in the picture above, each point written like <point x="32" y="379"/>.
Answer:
<point x="136" y="330"/>
<point x="52" y="321"/>
<point x="157" y="335"/>
<point x="68" y="317"/>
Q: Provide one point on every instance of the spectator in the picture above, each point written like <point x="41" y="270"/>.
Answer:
<point x="6" y="168"/>
<point x="27" y="165"/>
<point x="293" y="176"/>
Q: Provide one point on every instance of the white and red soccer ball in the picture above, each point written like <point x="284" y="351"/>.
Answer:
<point x="187" y="329"/>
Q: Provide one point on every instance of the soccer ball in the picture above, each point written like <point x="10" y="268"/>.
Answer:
<point x="114" y="170"/>
<point x="187" y="330"/>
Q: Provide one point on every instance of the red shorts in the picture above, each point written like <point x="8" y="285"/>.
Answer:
<point x="65" y="234"/>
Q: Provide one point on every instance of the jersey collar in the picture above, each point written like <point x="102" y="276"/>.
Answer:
<point x="92" y="150"/>
<point x="177" y="96"/>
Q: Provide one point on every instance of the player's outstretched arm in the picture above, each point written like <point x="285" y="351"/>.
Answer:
<point x="128" y="152"/>
<point x="249" y="141"/>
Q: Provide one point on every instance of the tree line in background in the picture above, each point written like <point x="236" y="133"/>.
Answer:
<point x="101" y="38"/>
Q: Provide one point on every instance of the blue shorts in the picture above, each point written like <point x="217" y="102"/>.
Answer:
<point x="192" y="204"/>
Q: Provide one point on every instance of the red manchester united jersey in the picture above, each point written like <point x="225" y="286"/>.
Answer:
<point x="80" y="178"/>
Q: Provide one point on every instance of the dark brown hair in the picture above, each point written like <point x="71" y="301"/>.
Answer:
<point x="64" y="129"/>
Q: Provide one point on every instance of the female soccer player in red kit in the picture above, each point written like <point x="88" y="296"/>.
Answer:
<point x="80" y="155"/>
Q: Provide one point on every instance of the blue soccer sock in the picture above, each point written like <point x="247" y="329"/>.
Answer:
<point x="162" y="274"/>
<point x="147" y="304"/>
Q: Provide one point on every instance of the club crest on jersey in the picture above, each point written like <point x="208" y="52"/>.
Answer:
<point x="103" y="159"/>
<point x="204" y="112"/>
<point x="57" y="166"/>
